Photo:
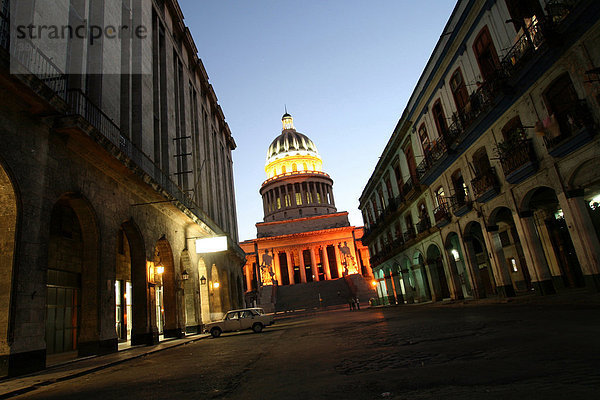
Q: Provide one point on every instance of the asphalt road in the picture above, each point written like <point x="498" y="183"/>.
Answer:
<point x="411" y="352"/>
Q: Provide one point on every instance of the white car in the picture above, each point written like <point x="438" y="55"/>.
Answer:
<point x="238" y="320"/>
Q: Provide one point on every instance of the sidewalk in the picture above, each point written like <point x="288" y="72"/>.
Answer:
<point x="75" y="368"/>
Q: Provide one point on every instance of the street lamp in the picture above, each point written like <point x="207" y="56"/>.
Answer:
<point x="203" y="280"/>
<point x="184" y="275"/>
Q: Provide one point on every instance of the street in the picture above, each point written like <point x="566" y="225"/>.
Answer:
<point x="409" y="352"/>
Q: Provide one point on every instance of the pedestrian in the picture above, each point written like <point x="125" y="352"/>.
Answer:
<point x="357" y="301"/>
<point x="351" y="303"/>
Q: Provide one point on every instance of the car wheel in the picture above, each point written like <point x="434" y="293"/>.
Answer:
<point x="257" y="328"/>
<point x="215" y="332"/>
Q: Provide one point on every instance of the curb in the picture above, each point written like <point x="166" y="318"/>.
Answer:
<point x="72" y="375"/>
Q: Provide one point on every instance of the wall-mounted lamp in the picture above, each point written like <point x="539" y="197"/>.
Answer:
<point x="216" y="285"/>
<point x="184" y="275"/>
<point x="160" y="269"/>
<point x="202" y="280"/>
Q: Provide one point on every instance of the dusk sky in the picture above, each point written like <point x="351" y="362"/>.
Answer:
<point x="344" y="68"/>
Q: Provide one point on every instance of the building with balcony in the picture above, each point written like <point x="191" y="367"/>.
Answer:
<point x="487" y="184"/>
<point x="115" y="159"/>
<point x="303" y="241"/>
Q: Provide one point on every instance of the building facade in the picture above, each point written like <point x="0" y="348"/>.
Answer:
<point x="303" y="238"/>
<point x="487" y="185"/>
<point x="115" y="158"/>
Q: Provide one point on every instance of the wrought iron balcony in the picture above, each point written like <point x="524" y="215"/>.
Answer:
<point x="485" y="186"/>
<point x="423" y="225"/>
<point x="409" y="234"/>
<point x="518" y="158"/>
<point x="524" y="47"/>
<point x="442" y="214"/>
<point x="436" y="151"/>
<point x="575" y="127"/>
<point x="460" y="205"/>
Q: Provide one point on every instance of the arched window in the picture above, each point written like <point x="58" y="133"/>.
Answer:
<point x="283" y="169"/>
<point x="513" y="130"/>
<point x="294" y="168"/>
<point x="440" y="118"/>
<point x="481" y="162"/>
<point x="459" y="90"/>
<point x="460" y="188"/>
<point x="304" y="168"/>
<point x="440" y="196"/>
<point x="486" y="54"/>
<point x="424" y="137"/>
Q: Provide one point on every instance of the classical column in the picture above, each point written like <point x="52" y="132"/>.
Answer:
<point x="277" y="267"/>
<point x="455" y="283"/>
<point x="249" y="269"/>
<point x="302" y="269"/>
<point x="584" y="237"/>
<point x="397" y="281"/>
<point x="325" y="262"/>
<point x="294" y="194"/>
<point x="541" y="278"/>
<point x="313" y="261"/>
<point x="410" y="293"/>
<point x="265" y="205"/>
<point x="389" y="285"/>
<point x="290" y="266"/>
<point x="434" y="280"/>
<point x="550" y="255"/>
<point x="338" y="260"/>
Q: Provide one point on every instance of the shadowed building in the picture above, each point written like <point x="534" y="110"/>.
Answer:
<point x="115" y="157"/>
<point x="303" y="238"/>
<point x="489" y="185"/>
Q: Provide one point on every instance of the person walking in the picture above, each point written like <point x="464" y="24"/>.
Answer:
<point x="357" y="302"/>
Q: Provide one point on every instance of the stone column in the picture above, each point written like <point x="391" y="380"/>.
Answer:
<point x="396" y="279"/>
<point x="338" y="260"/>
<point x="290" y="266"/>
<point x="550" y="255"/>
<point x="325" y="261"/>
<point x="249" y="272"/>
<point x="478" y="287"/>
<point x="500" y="269"/>
<point x="265" y="204"/>
<point x="277" y="266"/>
<point x="584" y="237"/>
<point x="302" y="269"/>
<point x="294" y="195"/>
<point x="434" y="280"/>
<point x="331" y="194"/>
<point x="313" y="261"/>
<point x="410" y="293"/>
<point x="534" y="254"/>
<point x="389" y="285"/>
<point x="455" y="283"/>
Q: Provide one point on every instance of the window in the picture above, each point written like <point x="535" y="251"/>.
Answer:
<point x="283" y="169"/>
<point x="439" y="118"/>
<point x="294" y="168"/>
<point x="299" y="199"/>
<point x="424" y="137"/>
<point x="459" y="90"/>
<point x="460" y="188"/>
<point x="481" y="162"/>
<point x="562" y="103"/>
<point x="398" y="174"/>
<point x="486" y="54"/>
<point x="440" y="196"/>
<point x="513" y="129"/>
<point x="388" y="186"/>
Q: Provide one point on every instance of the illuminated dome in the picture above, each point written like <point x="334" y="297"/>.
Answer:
<point x="291" y="152"/>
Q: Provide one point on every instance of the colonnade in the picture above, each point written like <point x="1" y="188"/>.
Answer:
<point x="296" y="195"/>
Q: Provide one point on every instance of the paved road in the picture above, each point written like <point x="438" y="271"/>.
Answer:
<point x="412" y="352"/>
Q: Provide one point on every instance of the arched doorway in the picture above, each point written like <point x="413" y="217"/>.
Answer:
<point x="8" y="221"/>
<point x="72" y="285"/>
<point x="167" y="310"/>
<point x="438" y="275"/>
<point x="216" y="308"/>
<point x="408" y="280"/>
<point x="141" y="330"/>
<point x="458" y="267"/>
<point x="553" y="234"/>
<point x="509" y="252"/>
<point x="478" y="254"/>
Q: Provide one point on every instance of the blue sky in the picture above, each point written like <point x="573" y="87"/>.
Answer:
<point x="344" y="68"/>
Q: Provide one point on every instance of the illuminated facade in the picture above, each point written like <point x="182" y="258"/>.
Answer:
<point x="489" y="185"/>
<point x="303" y="238"/>
<point x="114" y="160"/>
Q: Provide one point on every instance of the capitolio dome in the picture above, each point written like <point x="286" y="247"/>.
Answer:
<point x="290" y="143"/>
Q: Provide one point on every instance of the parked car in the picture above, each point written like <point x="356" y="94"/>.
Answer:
<point x="238" y="320"/>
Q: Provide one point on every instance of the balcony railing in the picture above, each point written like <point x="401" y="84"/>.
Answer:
<point x="442" y="213"/>
<point x="524" y="47"/>
<point x="516" y="154"/>
<point x="485" y="185"/>
<point x="409" y="234"/>
<point x="570" y="123"/>
<point x="423" y="225"/>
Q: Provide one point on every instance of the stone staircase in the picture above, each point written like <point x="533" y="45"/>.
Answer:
<point x="331" y="293"/>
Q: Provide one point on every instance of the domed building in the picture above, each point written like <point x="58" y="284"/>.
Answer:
<point x="303" y="239"/>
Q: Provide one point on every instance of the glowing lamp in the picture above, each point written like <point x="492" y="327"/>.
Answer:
<point x="211" y="245"/>
<point x="160" y="269"/>
<point x="374" y="283"/>
<point x="455" y="254"/>
<point x="203" y="280"/>
<point x="185" y="276"/>
<point x="216" y="285"/>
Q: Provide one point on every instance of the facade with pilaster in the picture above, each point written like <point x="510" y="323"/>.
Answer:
<point x="303" y="238"/>
<point x="487" y="185"/>
<point x="115" y="158"/>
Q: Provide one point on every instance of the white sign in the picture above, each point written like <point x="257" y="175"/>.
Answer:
<point x="211" y="245"/>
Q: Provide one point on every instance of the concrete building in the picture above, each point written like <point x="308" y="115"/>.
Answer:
<point x="488" y="185"/>
<point x="303" y="239"/>
<point x="114" y="158"/>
